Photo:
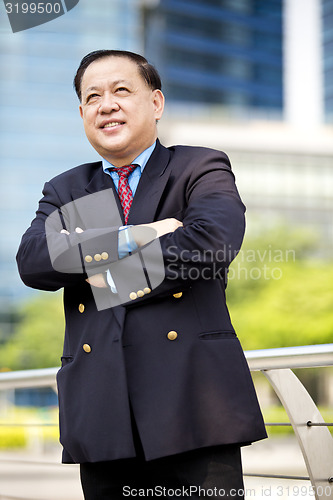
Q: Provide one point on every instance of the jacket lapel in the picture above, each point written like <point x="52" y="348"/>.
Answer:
<point x="151" y="186"/>
<point x="93" y="213"/>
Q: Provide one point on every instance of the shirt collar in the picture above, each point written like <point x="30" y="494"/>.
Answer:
<point x="140" y="160"/>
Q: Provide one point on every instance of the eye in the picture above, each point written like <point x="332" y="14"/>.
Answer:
<point x="91" y="97"/>
<point x="122" y="90"/>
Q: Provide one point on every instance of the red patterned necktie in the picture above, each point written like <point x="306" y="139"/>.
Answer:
<point x="124" y="190"/>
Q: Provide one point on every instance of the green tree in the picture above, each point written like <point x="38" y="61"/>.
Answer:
<point x="279" y="293"/>
<point x="296" y="309"/>
<point x="38" y="337"/>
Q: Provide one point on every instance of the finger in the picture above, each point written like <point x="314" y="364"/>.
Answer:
<point x="97" y="280"/>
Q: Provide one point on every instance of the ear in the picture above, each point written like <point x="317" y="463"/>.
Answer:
<point x="81" y="110"/>
<point x="158" y="102"/>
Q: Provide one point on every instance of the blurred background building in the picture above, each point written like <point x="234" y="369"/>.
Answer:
<point x="219" y="52"/>
<point x="327" y="40"/>
<point x="251" y="77"/>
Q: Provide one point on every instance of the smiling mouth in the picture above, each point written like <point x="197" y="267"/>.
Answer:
<point x="112" y="124"/>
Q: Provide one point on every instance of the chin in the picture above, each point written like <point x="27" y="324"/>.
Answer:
<point x="113" y="147"/>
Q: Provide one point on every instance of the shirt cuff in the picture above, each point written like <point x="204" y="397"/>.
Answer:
<point x="110" y="282"/>
<point x="126" y="244"/>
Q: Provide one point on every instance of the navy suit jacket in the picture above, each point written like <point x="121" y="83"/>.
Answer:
<point x="172" y="354"/>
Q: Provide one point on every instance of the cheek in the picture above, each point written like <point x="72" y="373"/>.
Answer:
<point x="146" y="118"/>
<point x="88" y="120"/>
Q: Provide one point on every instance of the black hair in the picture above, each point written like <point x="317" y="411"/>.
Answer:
<point x="146" y="70"/>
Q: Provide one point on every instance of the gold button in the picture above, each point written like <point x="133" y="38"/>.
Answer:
<point x="88" y="258"/>
<point x="81" y="308"/>
<point x="140" y="293"/>
<point x="172" y="335"/>
<point x="178" y="295"/>
<point x="146" y="290"/>
<point x="133" y="296"/>
<point x="86" y="348"/>
<point x="104" y="255"/>
<point x="97" y="257"/>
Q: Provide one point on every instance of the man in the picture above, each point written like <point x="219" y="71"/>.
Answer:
<point x="154" y="390"/>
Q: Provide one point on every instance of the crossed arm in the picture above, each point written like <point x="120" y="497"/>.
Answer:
<point x="212" y="213"/>
<point x="140" y="237"/>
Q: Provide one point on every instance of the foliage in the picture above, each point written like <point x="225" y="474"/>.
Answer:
<point x="278" y="414"/>
<point x="37" y="340"/>
<point x="296" y="309"/>
<point x="12" y="437"/>
<point x="278" y="296"/>
<point x="262" y="255"/>
<point x="21" y="436"/>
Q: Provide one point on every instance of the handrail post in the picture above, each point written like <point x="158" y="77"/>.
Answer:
<point x="316" y="443"/>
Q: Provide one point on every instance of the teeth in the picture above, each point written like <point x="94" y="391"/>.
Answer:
<point x="111" y="124"/>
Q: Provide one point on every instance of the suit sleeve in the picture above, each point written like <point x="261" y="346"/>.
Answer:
<point x="214" y="221"/>
<point x="49" y="260"/>
<point x="213" y="226"/>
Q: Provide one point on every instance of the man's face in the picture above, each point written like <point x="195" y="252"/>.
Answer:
<point x="119" y="110"/>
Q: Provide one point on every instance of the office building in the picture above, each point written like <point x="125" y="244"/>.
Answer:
<point x="327" y="44"/>
<point x="41" y="131"/>
<point x="219" y="52"/>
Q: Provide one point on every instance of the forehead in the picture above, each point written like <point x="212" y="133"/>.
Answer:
<point x="108" y="70"/>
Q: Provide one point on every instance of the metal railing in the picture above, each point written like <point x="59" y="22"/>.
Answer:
<point x="313" y="435"/>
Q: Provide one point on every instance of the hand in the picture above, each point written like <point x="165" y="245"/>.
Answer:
<point x="97" y="280"/>
<point x="144" y="233"/>
<point x="164" y="226"/>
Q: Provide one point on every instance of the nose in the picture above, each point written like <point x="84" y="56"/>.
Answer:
<point x="108" y="104"/>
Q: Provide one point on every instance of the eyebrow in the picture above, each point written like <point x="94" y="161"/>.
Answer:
<point x="114" y="84"/>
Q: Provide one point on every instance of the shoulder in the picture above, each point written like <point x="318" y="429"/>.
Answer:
<point x="83" y="172"/>
<point x="197" y="154"/>
<point x="197" y="159"/>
